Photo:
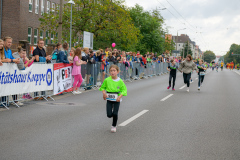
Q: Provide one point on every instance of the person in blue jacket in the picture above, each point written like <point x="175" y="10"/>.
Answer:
<point x="62" y="55"/>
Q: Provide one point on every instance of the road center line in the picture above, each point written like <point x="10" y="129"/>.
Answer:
<point x="133" y="118"/>
<point x="167" y="97"/>
<point x="182" y="87"/>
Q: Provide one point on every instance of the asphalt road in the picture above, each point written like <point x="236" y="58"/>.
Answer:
<point x="199" y="125"/>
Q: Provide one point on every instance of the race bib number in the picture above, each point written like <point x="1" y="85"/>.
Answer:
<point x="202" y="73"/>
<point x="112" y="97"/>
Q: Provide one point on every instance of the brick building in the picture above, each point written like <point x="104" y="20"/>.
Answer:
<point x="20" y="20"/>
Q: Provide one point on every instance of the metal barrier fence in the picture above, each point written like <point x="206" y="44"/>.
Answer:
<point x="93" y="75"/>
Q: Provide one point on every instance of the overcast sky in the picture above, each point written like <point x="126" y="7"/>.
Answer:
<point x="212" y="24"/>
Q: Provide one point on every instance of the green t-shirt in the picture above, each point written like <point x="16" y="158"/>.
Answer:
<point x="114" y="86"/>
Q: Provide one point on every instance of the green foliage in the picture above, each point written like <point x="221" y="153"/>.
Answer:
<point x="109" y="21"/>
<point x="235" y="49"/>
<point x="186" y="50"/>
<point x="151" y="36"/>
<point x="209" y="56"/>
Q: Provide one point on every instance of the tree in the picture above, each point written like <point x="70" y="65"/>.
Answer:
<point x="229" y="57"/>
<point x="151" y="37"/>
<point x="186" y="50"/>
<point x="109" y="21"/>
<point x="209" y="56"/>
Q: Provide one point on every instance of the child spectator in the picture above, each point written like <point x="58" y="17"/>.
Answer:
<point x="76" y="71"/>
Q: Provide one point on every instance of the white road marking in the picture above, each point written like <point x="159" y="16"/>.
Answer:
<point x="196" y="78"/>
<point x="237" y="72"/>
<point x="133" y="118"/>
<point x="170" y="95"/>
<point x="182" y="87"/>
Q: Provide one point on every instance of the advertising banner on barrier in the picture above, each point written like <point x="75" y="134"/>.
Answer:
<point x="62" y="78"/>
<point x="37" y="77"/>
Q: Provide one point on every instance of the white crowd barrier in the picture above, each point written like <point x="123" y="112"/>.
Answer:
<point x="42" y="81"/>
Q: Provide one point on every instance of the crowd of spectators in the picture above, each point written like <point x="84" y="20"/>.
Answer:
<point x="62" y="54"/>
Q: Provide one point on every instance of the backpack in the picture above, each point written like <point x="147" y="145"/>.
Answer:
<point x="54" y="55"/>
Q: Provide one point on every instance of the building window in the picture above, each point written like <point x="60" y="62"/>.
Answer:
<point x="30" y="5"/>
<point x="42" y="7"/>
<point x="30" y="35"/>
<point x="46" y="40"/>
<point x="35" y="36"/>
<point x="36" y="6"/>
<point x="48" y="7"/>
<point x="53" y="7"/>
<point x="41" y="34"/>
<point x="52" y="37"/>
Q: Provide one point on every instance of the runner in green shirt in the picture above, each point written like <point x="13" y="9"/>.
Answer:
<point x="113" y="89"/>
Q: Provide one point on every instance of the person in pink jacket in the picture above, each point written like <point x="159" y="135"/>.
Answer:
<point x="76" y="71"/>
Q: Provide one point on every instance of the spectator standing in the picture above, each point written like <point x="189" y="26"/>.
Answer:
<point x="71" y="54"/>
<point x="76" y="71"/>
<point x="8" y="52"/>
<point x="97" y="56"/>
<point x="2" y="56"/>
<point x="10" y="58"/>
<point x="85" y="52"/>
<point x="18" y="55"/>
<point x="62" y="54"/>
<point x="55" y="52"/>
<point x="111" y="57"/>
<point x="134" y="57"/>
<point x="106" y="51"/>
<point x="90" y="62"/>
<point x="40" y="54"/>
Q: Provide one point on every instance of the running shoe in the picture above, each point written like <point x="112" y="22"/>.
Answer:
<point x="78" y="92"/>
<point x="201" y="84"/>
<point x="187" y="89"/>
<point x="75" y="92"/>
<point x="113" y="129"/>
<point x="191" y="80"/>
<point x="199" y="88"/>
<point x="173" y="89"/>
<point x="168" y="87"/>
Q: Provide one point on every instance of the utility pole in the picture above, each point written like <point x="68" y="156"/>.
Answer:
<point x="60" y="22"/>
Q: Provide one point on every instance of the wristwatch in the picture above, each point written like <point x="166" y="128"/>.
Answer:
<point x="11" y="60"/>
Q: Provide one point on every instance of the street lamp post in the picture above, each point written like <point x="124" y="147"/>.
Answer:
<point x="177" y="38"/>
<point x="70" y="44"/>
